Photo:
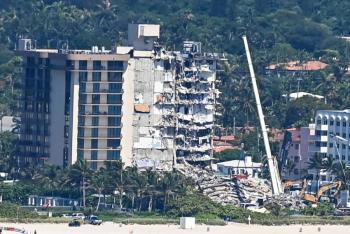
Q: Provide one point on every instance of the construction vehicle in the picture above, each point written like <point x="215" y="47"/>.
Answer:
<point x="272" y="162"/>
<point x="314" y="199"/>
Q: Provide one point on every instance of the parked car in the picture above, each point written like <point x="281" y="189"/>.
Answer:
<point x="80" y="216"/>
<point x="74" y="223"/>
<point x="92" y="219"/>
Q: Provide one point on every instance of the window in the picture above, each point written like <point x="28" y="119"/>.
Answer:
<point x="70" y="64"/>
<point x="96" y="87"/>
<point x="343" y="157"/>
<point x="80" y="155"/>
<point x="113" y="154"/>
<point x="115" y="77"/>
<point x="324" y="144"/>
<point x="94" y="132"/>
<point x="338" y="123"/>
<point x="114" y="110"/>
<point x="113" y="121"/>
<point x="81" y="109"/>
<point x="95" y="110"/>
<point x="113" y="132"/>
<point x="318" y="133"/>
<point x="93" y="159"/>
<point x="296" y="146"/>
<point x="113" y="143"/>
<point x="344" y="135"/>
<point x="82" y="98"/>
<point x="324" y="133"/>
<point x="82" y="77"/>
<point x="330" y="145"/>
<point x="115" y="87"/>
<point x="94" y="143"/>
<point x="343" y="146"/>
<point x="94" y="121"/>
<point x="114" y="99"/>
<point x="115" y="65"/>
<point x="95" y="99"/>
<point x="82" y="87"/>
<point x="96" y="76"/>
<point x="82" y="65"/>
<point x="325" y="122"/>
<point x="331" y="123"/>
<point x="81" y="120"/>
<point x="96" y="65"/>
<point x="344" y="124"/>
<point x="80" y="132"/>
<point x="81" y="143"/>
<point x="318" y="121"/>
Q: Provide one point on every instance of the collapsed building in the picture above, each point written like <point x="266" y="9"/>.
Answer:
<point x="139" y="103"/>
<point x="174" y="105"/>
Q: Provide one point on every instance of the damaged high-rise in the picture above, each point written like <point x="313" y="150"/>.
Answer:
<point x="160" y="109"/>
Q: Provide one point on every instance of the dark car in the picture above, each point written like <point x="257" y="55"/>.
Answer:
<point x="74" y="223"/>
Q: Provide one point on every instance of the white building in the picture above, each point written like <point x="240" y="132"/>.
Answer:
<point x="330" y="126"/>
<point x="240" y="167"/>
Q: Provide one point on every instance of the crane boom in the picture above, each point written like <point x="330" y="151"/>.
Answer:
<point x="275" y="178"/>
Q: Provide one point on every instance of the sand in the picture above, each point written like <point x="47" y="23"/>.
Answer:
<point x="113" y="228"/>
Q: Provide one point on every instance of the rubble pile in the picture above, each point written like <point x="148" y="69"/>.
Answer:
<point x="225" y="190"/>
<point x="239" y="192"/>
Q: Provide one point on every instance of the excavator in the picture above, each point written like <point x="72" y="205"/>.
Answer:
<point x="314" y="199"/>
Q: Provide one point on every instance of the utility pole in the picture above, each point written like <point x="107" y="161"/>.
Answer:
<point x="275" y="177"/>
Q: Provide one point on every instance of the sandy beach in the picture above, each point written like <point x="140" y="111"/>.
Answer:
<point x="113" y="228"/>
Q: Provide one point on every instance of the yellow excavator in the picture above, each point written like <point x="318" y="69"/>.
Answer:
<point x="314" y="199"/>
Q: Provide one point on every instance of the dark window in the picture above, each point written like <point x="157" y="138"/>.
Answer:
<point x="114" y="110"/>
<point x="96" y="76"/>
<point x="115" y="77"/>
<point x="80" y="155"/>
<point x="94" y="158"/>
<point x="113" y="132"/>
<point x="114" y="143"/>
<point x="81" y="109"/>
<point x="82" y="76"/>
<point x="324" y="144"/>
<point x="318" y="144"/>
<point x="113" y="154"/>
<point x="94" y="121"/>
<point x="296" y="146"/>
<point x="81" y="120"/>
<point x="115" y="87"/>
<point x="80" y="132"/>
<point x="330" y="145"/>
<point x="344" y="124"/>
<point x="114" y="99"/>
<point x="82" y="87"/>
<point x="338" y="123"/>
<point x="318" y="121"/>
<point x="82" y="65"/>
<point x="97" y="65"/>
<point x="95" y="99"/>
<point x="331" y="122"/>
<point x="95" y="110"/>
<point x="82" y="98"/>
<point x="94" y="143"/>
<point x="113" y="121"/>
<point x="94" y="132"/>
<point x="81" y="143"/>
<point x="115" y="65"/>
<point x="96" y="87"/>
<point x="70" y="64"/>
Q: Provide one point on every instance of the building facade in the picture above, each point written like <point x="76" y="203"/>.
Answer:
<point x="140" y="103"/>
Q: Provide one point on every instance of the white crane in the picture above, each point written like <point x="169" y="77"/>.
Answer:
<point x="275" y="177"/>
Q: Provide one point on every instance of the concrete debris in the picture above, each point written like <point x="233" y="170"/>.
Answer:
<point x="242" y="192"/>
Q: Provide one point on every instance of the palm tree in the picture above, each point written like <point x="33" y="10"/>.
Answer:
<point x="48" y="177"/>
<point x="320" y="162"/>
<point x="114" y="170"/>
<point x="80" y="173"/>
<point x="98" y="183"/>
